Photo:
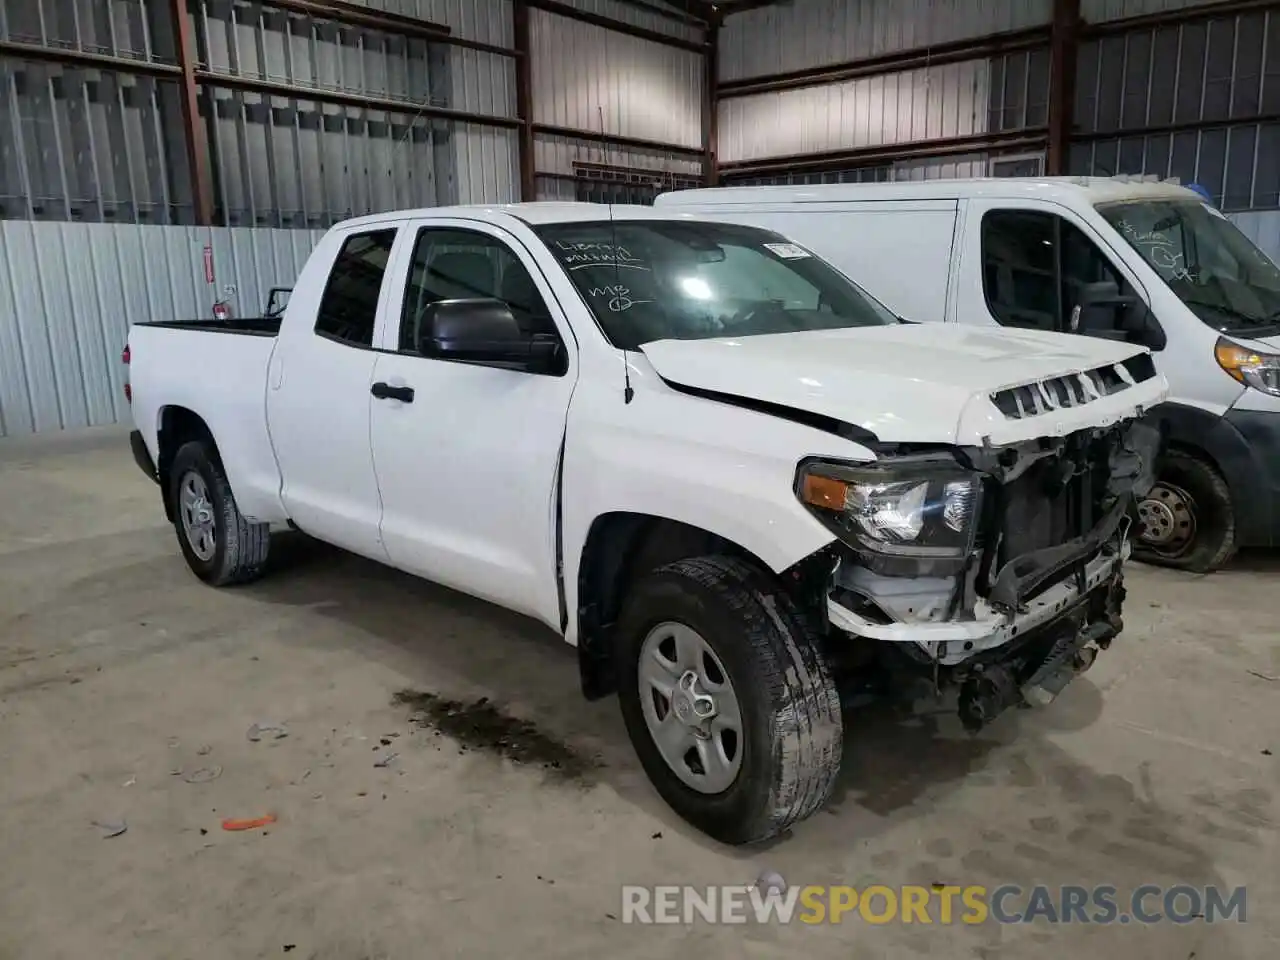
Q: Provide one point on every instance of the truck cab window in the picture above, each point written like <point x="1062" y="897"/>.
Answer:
<point x="349" y="307"/>
<point x="464" y="265"/>
<point x="1035" y="267"/>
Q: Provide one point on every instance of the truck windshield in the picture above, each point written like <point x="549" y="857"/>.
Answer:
<point x="1206" y="261"/>
<point x="647" y="280"/>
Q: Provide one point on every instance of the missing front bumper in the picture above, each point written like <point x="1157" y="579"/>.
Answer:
<point x="952" y="642"/>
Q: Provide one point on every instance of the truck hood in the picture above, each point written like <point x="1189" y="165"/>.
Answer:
<point x="925" y="383"/>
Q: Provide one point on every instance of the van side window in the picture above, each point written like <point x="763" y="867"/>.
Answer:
<point x="450" y="264"/>
<point x="349" y="305"/>
<point x="1034" y="267"/>
<point x="1019" y="269"/>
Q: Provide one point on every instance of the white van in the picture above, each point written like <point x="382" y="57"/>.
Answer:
<point x="1121" y="258"/>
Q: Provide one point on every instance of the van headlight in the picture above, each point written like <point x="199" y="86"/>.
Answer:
<point x="1258" y="370"/>
<point x="907" y="508"/>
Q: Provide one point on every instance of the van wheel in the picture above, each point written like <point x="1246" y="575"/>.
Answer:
<point x="1187" y="519"/>
<point x="221" y="547"/>
<point x="727" y="698"/>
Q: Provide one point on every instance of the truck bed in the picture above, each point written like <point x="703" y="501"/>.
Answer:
<point x="249" y="326"/>
<point x="193" y="366"/>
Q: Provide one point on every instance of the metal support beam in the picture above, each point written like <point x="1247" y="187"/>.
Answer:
<point x="385" y="21"/>
<point x="710" y="106"/>
<point x="582" y="16"/>
<point x="1030" y="138"/>
<point x="958" y="51"/>
<point x="83" y="58"/>
<point x="1064" y="48"/>
<point x="609" y="139"/>
<point x="524" y="100"/>
<point x="408" y="107"/>
<point x="194" y="133"/>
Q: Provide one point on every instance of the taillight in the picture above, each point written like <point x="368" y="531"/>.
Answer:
<point x="125" y="356"/>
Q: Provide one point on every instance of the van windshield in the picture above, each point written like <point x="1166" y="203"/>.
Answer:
<point x="647" y="280"/>
<point x="1206" y="261"/>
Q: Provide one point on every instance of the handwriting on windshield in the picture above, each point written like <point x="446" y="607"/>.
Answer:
<point x="1160" y="250"/>
<point x="619" y="297"/>
<point x="578" y="255"/>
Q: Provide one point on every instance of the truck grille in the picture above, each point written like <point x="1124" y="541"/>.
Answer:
<point x="1074" y="390"/>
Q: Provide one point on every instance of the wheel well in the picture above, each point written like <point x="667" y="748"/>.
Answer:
<point x="620" y="548"/>
<point x="178" y="425"/>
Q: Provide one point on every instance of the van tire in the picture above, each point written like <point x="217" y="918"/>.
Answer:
<point x="788" y="704"/>
<point x="239" y="550"/>
<point x="1192" y="490"/>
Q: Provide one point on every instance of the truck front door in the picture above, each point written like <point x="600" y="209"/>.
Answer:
<point x="468" y="455"/>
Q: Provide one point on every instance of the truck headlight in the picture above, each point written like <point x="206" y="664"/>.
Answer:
<point x="908" y="507"/>
<point x="1258" y="370"/>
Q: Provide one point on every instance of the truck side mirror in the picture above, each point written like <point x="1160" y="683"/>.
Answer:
<point x="484" y="331"/>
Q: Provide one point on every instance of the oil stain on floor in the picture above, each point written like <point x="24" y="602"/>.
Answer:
<point x="481" y="725"/>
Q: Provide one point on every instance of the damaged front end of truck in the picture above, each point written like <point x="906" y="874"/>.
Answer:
<point x="997" y="569"/>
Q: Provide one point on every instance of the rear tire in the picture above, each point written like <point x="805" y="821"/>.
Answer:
<point x="1188" y="519"/>
<point x="220" y="546"/>
<point x="785" y="701"/>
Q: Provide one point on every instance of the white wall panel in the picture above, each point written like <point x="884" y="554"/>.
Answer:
<point x="1263" y="228"/>
<point x="925" y="104"/>
<point x="488" y="165"/>
<point x="813" y="33"/>
<point x="590" y="78"/>
<point x="68" y="292"/>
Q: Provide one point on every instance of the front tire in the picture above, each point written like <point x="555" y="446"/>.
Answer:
<point x="1187" y="519"/>
<point x="220" y="546"/>
<point x="709" y="647"/>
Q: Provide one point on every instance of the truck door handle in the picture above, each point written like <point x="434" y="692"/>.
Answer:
<point x="384" y="391"/>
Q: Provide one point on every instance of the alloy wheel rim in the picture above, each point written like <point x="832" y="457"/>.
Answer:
<point x="197" y="515"/>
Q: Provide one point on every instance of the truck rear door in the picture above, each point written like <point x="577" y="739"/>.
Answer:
<point x="318" y="389"/>
<point x="468" y="455"/>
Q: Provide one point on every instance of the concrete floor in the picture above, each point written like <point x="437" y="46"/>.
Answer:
<point x="118" y="668"/>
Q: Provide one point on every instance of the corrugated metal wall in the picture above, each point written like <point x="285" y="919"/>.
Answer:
<point x="68" y="292"/>
<point x="815" y="33"/>
<point x="1220" y="73"/>
<point x="997" y="94"/>
<point x="591" y="78"/>
<point x="81" y="143"/>
<point x="1263" y="228"/>
<point x="1100" y="11"/>
<point x="586" y="77"/>
<point x="946" y="101"/>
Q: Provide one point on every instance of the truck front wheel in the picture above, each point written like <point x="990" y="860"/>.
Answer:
<point x="221" y="547"/>
<point x="727" y="698"/>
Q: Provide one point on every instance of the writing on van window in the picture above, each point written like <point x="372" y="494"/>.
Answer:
<point x="580" y="254"/>
<point x="1161" y="250"/>
<point x="618" y="297"/>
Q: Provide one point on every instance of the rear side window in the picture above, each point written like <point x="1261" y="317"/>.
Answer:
<point x="349" y="307"/>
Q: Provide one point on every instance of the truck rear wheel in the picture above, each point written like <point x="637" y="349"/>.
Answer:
<point x="221" y="547"/>
<point x="727" y="698"/>
<point x="1187" y="519"/>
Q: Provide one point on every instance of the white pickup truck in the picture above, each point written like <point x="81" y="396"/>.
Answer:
<point x="734" y="481"/>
